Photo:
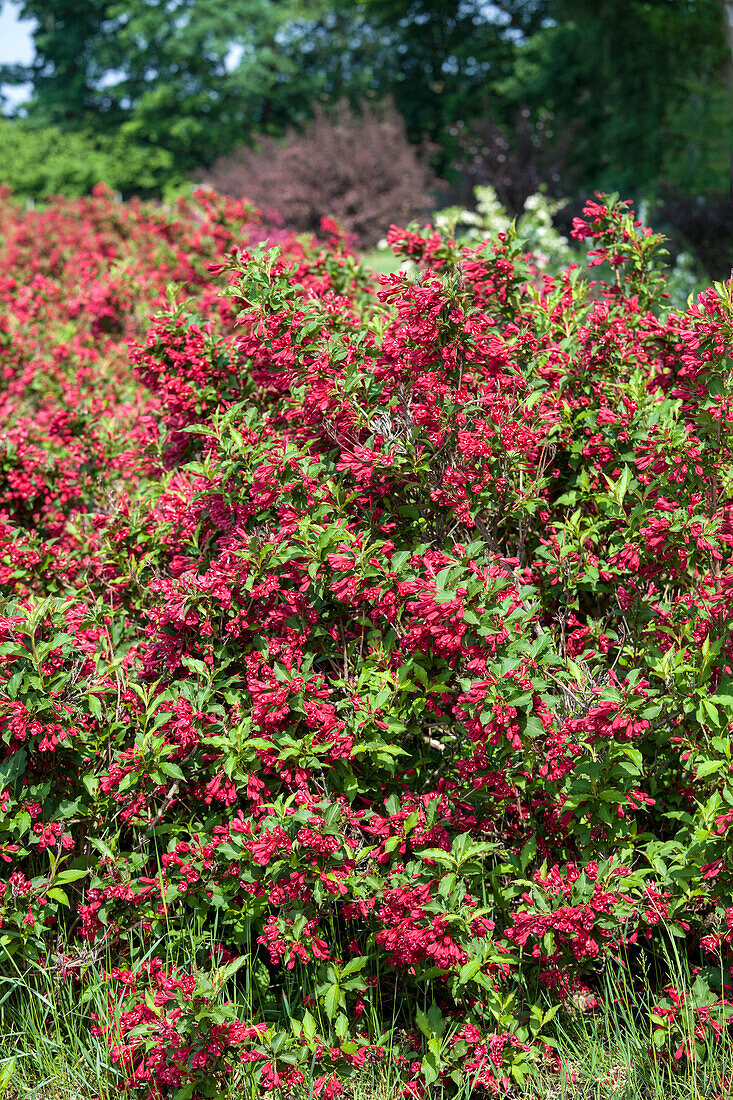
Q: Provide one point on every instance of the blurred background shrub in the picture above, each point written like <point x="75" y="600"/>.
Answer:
<point x="41" y="161"/>
<point x="357" y="167"/>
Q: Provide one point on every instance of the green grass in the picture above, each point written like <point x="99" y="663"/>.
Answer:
<point x="615" y="1062"/>
<point x="382" y="261"/>
<point x="614" y="1055"/>
<point x="48" y="1051"/>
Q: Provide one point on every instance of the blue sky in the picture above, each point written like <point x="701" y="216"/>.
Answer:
<point x="16" y="45"/>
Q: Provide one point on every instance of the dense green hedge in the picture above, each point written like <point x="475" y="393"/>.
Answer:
<point x="39" y="161"/>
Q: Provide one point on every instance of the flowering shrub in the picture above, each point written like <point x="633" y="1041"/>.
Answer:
<point x="551" y="252"/>
<point x="367" y="645"/>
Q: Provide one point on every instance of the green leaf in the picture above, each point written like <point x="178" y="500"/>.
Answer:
<point x="171" y="769"/>
<point x="65" y="877"/>
<point x="439" y="855"/>
<point x="59" y="895"/>
<point x="528" y="853"/>
<point x="342" y="1027"/>
<point x="429" y="1069"/>
<point x="435" y="1016"/>
<point x="392" y="805"/>
<point x="91" y="782"/>
<point x="7" y="1073"/>
<point x="309" y="1026"/>
<point x="331" y="1000"/>
<point x="224" y="973"/>
<point x="354" y="966"/>
<point x="469" y="970"/>
<point x="708" y="767"/>
<point x="12" y="767"/>
<point x="423" y="1023"/>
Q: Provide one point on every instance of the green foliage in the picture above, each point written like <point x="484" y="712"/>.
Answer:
<point x="441" y="60"/>
<point x="550" y="250"/>
<point x="534" y="226"/>
<point x="640" y="83"/>
<point x="191" y="80"/>
<point x="39" y="161"/>
<point x="628" y="1051"/>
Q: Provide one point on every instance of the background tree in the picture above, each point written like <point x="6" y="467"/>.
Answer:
<point x="196" y="76"/>
<point x="191" y="76"/>
<point x="436" y="60"/>
<point x="642" y="84"/>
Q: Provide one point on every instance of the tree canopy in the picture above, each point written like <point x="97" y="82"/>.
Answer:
<point x="192" y="76"/>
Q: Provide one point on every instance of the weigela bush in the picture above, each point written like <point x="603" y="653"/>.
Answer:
<point x="366" y="656"/>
